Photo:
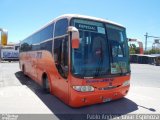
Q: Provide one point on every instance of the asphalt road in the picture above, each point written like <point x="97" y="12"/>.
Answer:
<point x="20" y="95"/>
<point x="145" y="75"/>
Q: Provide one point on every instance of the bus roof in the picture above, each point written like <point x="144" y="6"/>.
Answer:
<point x="69" y="16"/>
<point x="86" y="17"/>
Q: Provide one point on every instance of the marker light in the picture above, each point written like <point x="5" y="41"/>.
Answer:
<point x="126" y="83"/>
<point x="83" y="88"/>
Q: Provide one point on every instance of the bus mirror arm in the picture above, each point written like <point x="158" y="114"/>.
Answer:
<point x="74" y="36"/>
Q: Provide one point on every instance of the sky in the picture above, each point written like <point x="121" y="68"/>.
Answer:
<point x="23" y="17"/>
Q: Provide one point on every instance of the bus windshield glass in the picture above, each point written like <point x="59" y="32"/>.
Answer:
<point x="99" y="54"/>
<point x="91" y="59"/>
<point x="119" y="49"/>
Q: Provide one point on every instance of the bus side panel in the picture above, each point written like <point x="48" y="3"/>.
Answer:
<point x="45" y="65"/>
<point x="39" y="62"/>
<point x="59" y="85"/>
<point x="24" y="62"/>
<point x="33" y="65"/>
<point x="28" y="61"/>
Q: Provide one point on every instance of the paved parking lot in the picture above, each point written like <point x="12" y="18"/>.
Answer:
<point x="21" y="95"/>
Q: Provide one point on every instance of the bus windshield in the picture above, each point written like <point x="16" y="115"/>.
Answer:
<point x="119" y="49"/>
<point x="97" y="47"/>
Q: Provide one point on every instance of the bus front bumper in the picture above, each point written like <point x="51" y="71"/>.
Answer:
<point x="78" y="99"/>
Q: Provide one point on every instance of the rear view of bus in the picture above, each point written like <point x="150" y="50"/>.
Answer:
<point x="84" y="61"/>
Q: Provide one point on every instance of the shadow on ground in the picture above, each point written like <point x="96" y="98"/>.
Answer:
<point x="63" y="112"/>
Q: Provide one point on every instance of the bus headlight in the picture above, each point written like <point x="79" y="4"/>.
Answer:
<point x="83" y="88"/>
<point x="126" y="83"/>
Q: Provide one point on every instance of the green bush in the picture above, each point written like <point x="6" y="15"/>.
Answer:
<point x="152" y="51"/>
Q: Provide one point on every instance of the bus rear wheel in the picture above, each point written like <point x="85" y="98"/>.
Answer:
<point x="46" y="84"/>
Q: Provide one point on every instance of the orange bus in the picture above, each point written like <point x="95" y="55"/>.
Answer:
<point x="82" y="60"/>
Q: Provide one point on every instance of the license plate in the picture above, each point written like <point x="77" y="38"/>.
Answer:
<point x="107" y="99"/>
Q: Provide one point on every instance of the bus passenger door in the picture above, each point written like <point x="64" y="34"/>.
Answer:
<point x="61" y="63"/>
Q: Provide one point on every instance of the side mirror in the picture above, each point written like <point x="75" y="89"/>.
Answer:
<point x="4" y="36"/>
<point x="74" y="36"/>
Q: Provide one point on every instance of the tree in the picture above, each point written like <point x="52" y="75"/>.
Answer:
<point x="152" y="51"/>
<point x="133" y="49"/>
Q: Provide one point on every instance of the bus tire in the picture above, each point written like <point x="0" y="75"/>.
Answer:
<point x="46" y="84"/>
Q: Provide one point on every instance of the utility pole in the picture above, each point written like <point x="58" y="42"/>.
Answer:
<point x="146" y="37"/>
<point x="146" y="41"/>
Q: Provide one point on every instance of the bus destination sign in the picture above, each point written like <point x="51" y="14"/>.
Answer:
<point x="86" y="27"/>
